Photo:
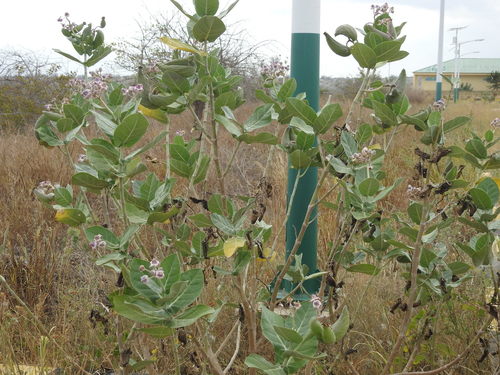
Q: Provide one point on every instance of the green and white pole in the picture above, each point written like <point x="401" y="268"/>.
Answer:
<point x="304" y="63"/>
<point x="439" y="70"/>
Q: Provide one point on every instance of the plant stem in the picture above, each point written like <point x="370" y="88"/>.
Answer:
<point x="176" y="356"/>
<point x="413" y="287"/>
<point x="167" y="151"/>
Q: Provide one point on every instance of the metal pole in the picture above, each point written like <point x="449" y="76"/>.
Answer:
<point x="455" y="73"/>
<point x="304" y="63"/>
<point x="439" y="71"/>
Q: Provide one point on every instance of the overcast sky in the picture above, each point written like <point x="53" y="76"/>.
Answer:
<point x="32" y="25"/>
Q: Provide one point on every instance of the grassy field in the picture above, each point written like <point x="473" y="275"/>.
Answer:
<point x="54" y="272"/>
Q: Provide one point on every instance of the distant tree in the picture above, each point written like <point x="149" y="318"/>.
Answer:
<point x="28" y="82"/>
<point x="146" y="49"/>
<point x="466" y="86"/>
<point x="494" y="80"/>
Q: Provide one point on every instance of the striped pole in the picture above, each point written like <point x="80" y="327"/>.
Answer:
<point x="439" y="71"/>
<point x="304" y="63"/>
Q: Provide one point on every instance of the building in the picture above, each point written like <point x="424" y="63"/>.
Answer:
<point x="473" y="71"/>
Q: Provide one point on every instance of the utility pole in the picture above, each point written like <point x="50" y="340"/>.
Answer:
<point x="456" y="76"/>
<point x="304" y="63"/>
<point x="439" y="71"/>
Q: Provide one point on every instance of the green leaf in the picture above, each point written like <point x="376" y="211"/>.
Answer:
<point x="476" y="148"/>
<point x="364" y="133"/>
<point x="229" y="124"/>
<point x="190" y="316"/>
<point x="65" y="124"/>
<point x="223" y="224"/>
<point x="70" y="216"/>
<point x="364" y="55"/>
<point x="264" y="137"/>
<point x="328" y="115"/>
<point x="162" y="217"/>
<point x="88" y="181"/>
<point x="300" y="109"/>
<point x="434" y="119"/>
<point x="206" y="7"/>
<point x="300" y="125"/>
<point x="369" y="187"/>
<point x="300" y="159"/>
<point x="208" y="28"/>
<point x="259" y="362"/>
<point x="63" y="197"/>
<point x="147" y="146"/>
<point x="74" y="113"/>
<point x="368" y="269"/>
<point x="432" y="135"/>
<point x="111" y="240"/>
<point x="386" y="51"/>
<point x="47" y="137"/>
<point x="455" y="123"/>
<point x="384" y="113"/>
<point x="415" y="212"/>
<point x="348" y="143"/>
<point x="131" y="130"/>
<point x="481" y="199"/>
<point x="262" y="116"/>
<point x="99" y="54"/>
<point x="458" y="267"/>
<point x="104" y="123"/>
<point x="287" y="89"/>
<point x="68" y="56"/>
<point x="288" y="334"/>
<point x="491" y="188"/>
<point x="341" y="325"/>
<point x="175" y="82"/>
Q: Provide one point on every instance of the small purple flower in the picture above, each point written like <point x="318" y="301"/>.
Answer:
<point x="142" y="268"/>
<point x="66" y="14"/>
<point x="495" y="123"/>
<point x="159" y="274"/>
<point x="154" y="262"/>
<point x="47" y="106"/>
<point x="180" y="133"/>
<point x="82" y="158"/>
<point x="144" y="279"/>
<point x="316" y="302"/>
<point x="60" y="19"/>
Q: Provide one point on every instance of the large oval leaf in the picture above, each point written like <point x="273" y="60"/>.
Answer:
<point x="131" y="130"/>
<point x="364" y="55"/>
<point x="208" y="29"/>
<point x="206" y="7"/>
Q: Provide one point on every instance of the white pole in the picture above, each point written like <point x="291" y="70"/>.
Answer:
<point x="439" y="71"/>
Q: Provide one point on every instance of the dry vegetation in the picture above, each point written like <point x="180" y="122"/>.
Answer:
<point x="54" y="273"/>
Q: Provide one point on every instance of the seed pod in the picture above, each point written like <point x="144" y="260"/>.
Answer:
<point x="316" y="328"/>
<point x="348" y="31"/>
<point x="328" y="337"/>
<point x="337" y="47"/>
<point x="103" y="22"/>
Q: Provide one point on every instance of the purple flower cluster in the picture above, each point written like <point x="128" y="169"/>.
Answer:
<point x="133" y="90"/>
<point x="495" y="123"/>
<point x="98" y="242"/>
<point x="275" y="68"/>
<point x="439" y="105"/>
<point x="381" y="9"/>
<point x="155" y="271"/>
<point x="362" y="157"/>
<point x="46" y="189"/>
<point x="92" y="88"/>
<point x="66" y="23"/>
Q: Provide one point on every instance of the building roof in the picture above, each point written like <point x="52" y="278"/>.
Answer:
<point x="467" y="65"/>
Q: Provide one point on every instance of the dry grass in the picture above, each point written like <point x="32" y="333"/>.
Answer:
<point x="50" y="270"/>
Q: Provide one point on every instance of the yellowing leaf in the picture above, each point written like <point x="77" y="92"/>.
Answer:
<point x="268" y="255"/>
<point x="70" y="216"/>
<point x="177" y="44"/>
<point x="233" y="244"/>
<point x="156" y="114"/>
<point x="497" y="181"/>
<point x="375" y="146"/>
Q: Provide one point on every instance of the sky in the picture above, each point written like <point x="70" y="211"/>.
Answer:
<point x="31" y="25"/>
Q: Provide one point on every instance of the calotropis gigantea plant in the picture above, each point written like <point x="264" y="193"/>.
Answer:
<point x="228" y="235"/>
